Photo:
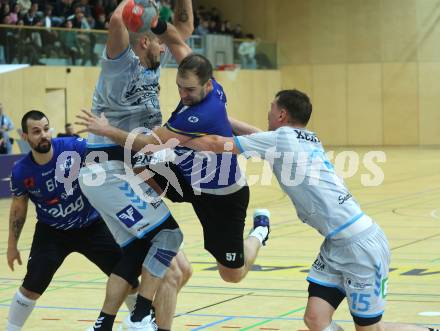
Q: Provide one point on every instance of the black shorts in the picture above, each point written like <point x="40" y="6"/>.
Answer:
<point x="222" y="218"/>
<point x="50" y="247"/>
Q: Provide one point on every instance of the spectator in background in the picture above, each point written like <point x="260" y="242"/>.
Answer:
<point x="48" y="20"/>
<point x="98" y="8"/>
<point x="13" y="15"/>
<point x="203" y="27"/>
<point x="225" y="28"/>
<point x="25" y="5"/>
<point x="238" y="33"/>
<point x="64" y="9"/>
<point x="32" y="17"/>
<point x="70" y="131"/>
<point x="6" y="126"/>
<point x="5" y="20"/>
<point x="26" y="50"/>
<point x="86" y="41"/>
<point x="91" y="21"/>
<point x="213" y="27"/>
<point x="222" y="28"/>
<point x="79" y="20"/>
<point x="229" y="28"/>
<point x="166" y="13"/>
<point x="49" y="36"/>
<point x="33" y="42"/>
<point x="247" y="50"/>
<point x="5" y="10"/>
<point x="85" y="7"/>
<point x="101" y="23"/>
<point x="69" y="42"/>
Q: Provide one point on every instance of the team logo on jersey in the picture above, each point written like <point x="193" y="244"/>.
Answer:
<point x="129" y="216"/>
<point x="357" y="285"/>
<point x="319" y="264"/>
<point x="193" y="119"/>
<point x="61" y="210"/>
<point x="29" y="182"/>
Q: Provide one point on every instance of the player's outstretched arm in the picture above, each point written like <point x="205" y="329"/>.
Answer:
<point x="213" y="143"/>
<point x="17" y="218"/>
<point x="173" y="40"/>
<point x="184" y="18"/>
<point x="160" y="138"/>
<point x="241" y="128"/>
<point x="117" y="40"/>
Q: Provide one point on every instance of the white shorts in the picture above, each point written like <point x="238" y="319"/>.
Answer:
<point x="358" y="267"/>
<point x="126" y="213"/>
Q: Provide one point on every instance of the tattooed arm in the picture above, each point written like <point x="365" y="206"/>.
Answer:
<point x="184" y="18"/>
<point x="17" y="217"/>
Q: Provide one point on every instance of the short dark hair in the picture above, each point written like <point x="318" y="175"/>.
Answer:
<point x="67" y="125"/>
<point x="296" y="103"/>
<point x="35" y="115"/>
<point x="198" y="65"/>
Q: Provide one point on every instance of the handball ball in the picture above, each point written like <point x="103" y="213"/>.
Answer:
<point x="139" y="15"/>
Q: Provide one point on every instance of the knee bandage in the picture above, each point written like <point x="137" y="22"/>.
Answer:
<point x="333" y="327"/>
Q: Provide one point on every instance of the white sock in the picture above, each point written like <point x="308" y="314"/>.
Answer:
<point x="19" y="311"/>
<point x="130" y="301"/>
<point x="260" y="232"/>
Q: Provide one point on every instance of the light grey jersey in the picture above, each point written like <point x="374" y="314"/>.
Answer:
<point x="303" y="171"/>
<point x="128" y="94"/>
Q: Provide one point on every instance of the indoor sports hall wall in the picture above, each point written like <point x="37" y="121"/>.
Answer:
<point x="371" y="67"/>
<point x="54" y="89"/>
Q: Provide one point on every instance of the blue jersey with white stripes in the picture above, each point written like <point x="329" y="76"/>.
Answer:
<point x="55" y="206"/>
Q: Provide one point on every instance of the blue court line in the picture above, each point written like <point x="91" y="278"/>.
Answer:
<point x="205" y="315"/>
<point x="213" y="323"/>
<point x="210" y="315"/>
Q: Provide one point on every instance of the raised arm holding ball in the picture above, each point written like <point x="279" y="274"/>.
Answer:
<point x="127" y="92"/>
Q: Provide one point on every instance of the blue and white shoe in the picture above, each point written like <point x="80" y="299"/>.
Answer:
<point x="261" y="219"/>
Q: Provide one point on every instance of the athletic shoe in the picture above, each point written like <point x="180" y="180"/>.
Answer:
<point x="147" y="324"/>
<point x="262" y="218"/>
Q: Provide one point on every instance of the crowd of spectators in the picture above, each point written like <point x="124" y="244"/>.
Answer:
<point x="95" y="14"/>
<point x="32" y="45"/>
<point x="209" y="21"/>
<point x="25" y="45"/>
<point x="82" y="14"/>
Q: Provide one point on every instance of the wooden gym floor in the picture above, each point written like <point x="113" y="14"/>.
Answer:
<point x="273" y="296"/>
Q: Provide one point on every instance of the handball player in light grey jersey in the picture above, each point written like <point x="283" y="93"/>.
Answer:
<point x="354" y="258"/>
<point x="127" y="92"/>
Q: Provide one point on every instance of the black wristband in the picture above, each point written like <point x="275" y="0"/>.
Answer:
<point x="160" y="28"/>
